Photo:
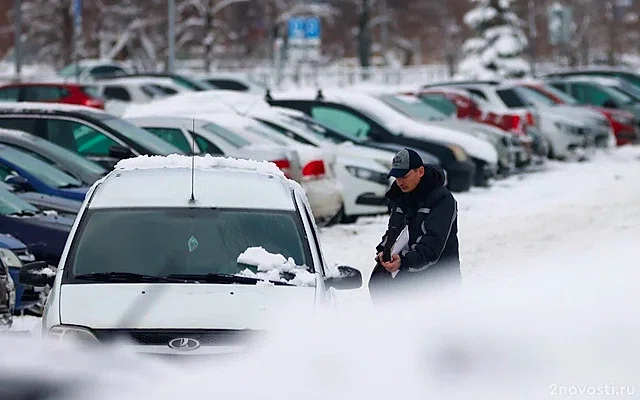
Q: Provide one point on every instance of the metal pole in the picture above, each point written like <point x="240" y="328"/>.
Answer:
<point x="533" y="34"/>
<point x="171" y="34"/>
<point x="17" y="47"/>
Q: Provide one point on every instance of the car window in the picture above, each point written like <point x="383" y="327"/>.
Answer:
<point x="511" y="99"/>
<point x="440" y="103"/>
<point x="12" y="204"/>
<point x="173" y="136"/>
<point x="183" y="241"/>
<point x="341" y="120"/>
<point x="534" y="96"/>
<point x="287" y="132"/>
<point x="106" y="70"/>
<point x="79" y="138"/>
<point x="91" y="91"/>
<point x="70" y="156"/>
<point x="205" y="145"/>
<point x="590" y="94"/>
<point x="164" y="89"/>
<point x="9" y="94"/>
<point x="44" y="93"/>
<point x="116" y="93"/>
<point x="554" y="91"/>
<point x="227" y="135"/>
<point x="48" y="174"/>
<point x="412" y="107"/>
<point x="477" y="92"/>
<point x="143" y="138"/>
<point x="228" y="84"/>
<point x="21" y="124"/>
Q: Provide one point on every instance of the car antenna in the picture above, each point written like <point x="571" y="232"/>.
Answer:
<point x="193" y="158"/>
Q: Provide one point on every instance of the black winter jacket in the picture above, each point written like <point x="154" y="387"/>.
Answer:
<point x="431" y="213"/>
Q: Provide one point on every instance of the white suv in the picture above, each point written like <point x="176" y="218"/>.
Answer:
<point x="173" y="270"/>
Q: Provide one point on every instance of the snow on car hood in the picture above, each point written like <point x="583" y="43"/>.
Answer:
<point x="190" y="306"/>
<point x="401" y="124"/>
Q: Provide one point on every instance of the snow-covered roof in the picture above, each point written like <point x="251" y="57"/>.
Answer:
<point x="137" y="80"/>
<point x="143" y="181"/>
<point x="46" y="107"/>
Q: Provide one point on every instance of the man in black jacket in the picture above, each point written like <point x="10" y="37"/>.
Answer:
<point x="420" y="203"/>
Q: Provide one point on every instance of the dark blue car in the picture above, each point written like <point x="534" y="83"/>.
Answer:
<point x="44" y="234"/>
<point x="24" y="298"/>
<point x="27" y="173"/>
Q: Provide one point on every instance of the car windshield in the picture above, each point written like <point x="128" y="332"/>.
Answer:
<point x="534" y="96"/>
<point x="227" y="135"/>
<point x="70" y="70"/>
<point x="191" y="84"/>
<point x="47" y="173"/>
<point x="146" y="139"/>
<point x="324" y="131"/>
<point x="193" y="241"/>
<point x="316" y="129"/>
<point x="61" y="153"/>
<point x="413" y="107"/>
<point x="10" y="204"/>
<point x="628" y="90"/>
<point x="619" y="95"/>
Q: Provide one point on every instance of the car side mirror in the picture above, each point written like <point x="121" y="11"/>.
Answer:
<point x="38" y="274"/>
<point x="348" y="278"/>
<point x="120" y="152"/>
<point x="19" y="183"/>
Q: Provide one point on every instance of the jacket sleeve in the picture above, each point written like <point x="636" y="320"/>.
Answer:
<point x="385" y="237"/>
<point x="435" y="227"/>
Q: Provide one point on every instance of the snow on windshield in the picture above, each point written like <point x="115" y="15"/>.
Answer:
<point x="275" y="267"/>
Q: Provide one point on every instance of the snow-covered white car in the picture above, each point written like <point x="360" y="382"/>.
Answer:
<point x="362" y="171"/>
<point x="88" y="70"/>
<point x="318" y="165"/>
<point x="185" y="255"/>
<point x="565" y="135"/>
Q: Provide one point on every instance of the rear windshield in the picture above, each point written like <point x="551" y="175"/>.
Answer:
<point x="511" y="99"/>
<point x="195" y="241"/>
<point x="45" y="172"/>
<point x="144" y="138"/>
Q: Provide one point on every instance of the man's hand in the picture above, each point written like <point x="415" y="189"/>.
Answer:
<point x="379" y="257"/>
<point x="393" y="265"/>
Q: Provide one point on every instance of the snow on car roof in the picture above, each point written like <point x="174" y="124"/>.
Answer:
<point x="136" y="80"/>
<point x="46" y="107"/>
<point x="165" y="181"/>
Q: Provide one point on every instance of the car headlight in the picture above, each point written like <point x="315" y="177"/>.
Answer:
<point x="622" y="119"/>
<point x="10" y="259"/>
<point x="569" y="129"/>
<point x="368" y="175"/>
<point x="458" y="152"/>
<point x="72" y="334"/>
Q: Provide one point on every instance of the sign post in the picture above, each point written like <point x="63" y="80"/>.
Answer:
<point x="77" y="31"/>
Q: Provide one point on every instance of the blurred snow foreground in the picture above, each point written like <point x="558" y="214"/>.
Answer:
<point x="567" y="324"/>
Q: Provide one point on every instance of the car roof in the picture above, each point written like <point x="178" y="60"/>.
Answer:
<point x="165" y="181"/>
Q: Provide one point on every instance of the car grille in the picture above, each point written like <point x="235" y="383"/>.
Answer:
<point x="161" y="337"/>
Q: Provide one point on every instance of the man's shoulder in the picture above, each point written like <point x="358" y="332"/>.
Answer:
<point x="437" y="195"/>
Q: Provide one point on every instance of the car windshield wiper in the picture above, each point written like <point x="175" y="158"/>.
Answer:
<point x="224" y="278"/>
<point x="130" y="277"/>
<point x="23" y="213"/>
<point x="69" y="186"/>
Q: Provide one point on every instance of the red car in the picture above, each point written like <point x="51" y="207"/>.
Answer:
<point x="624" y="124"/>
<point x="65" y="93"/>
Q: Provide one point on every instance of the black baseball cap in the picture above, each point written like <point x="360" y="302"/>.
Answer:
<point x="403" y="162"/>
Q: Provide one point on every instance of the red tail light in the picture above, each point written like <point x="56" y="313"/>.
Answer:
<point x="94" y="103"/>
<point x="284" y="166"/>
<point x="314" y="169"/>
<point x="530" y="120"/>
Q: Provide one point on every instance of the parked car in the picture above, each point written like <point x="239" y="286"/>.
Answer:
<point x="69" y="162"/>
<point x="44" y="234"/>
<point x="416" y="109"/>
<point x="52" y="92"/>
<point x="600" y="92"/>
<point x="27" y="173"/>
<point x="593" y="72"/>
<point x="363" y="179"/>
<point x="182" y="80"/>
<point x="564" y="136"/>
<point x="45" y="202"/>
<point x="626" y="127"/>
<point x="216" y="285"/>
<point x="91" y="69"/>
<point x="202" y="136"/>
<point x="232" y="82"/>
<point x="13" y="254"/>
<point x="94" y="134"/>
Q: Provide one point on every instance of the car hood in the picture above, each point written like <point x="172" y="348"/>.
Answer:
<point x="583" y="113"/>
<point x="46" y="200"/>
<point x="482" y="131"/>
<point x="190" y="306"/>
<point x="51" y="221"/>
<point x="348" y="150"/>
<point x="9" y="242"/>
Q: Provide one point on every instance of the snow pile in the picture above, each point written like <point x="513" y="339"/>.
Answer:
<point x="46" y="271"/>
<point x="205" y="162"/>
<point x="271" y="267"/>
<point x="497" y="50"/>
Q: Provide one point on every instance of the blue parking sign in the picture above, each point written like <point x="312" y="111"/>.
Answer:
<point x="312" y="28"/>
<point x="296" y="28"/>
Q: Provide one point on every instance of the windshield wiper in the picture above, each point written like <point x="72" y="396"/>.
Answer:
<point x="224" y="278"/>
<point x="130" y="277"/>
<point x="69" y="186"/>
<point x="23" y="213"/>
